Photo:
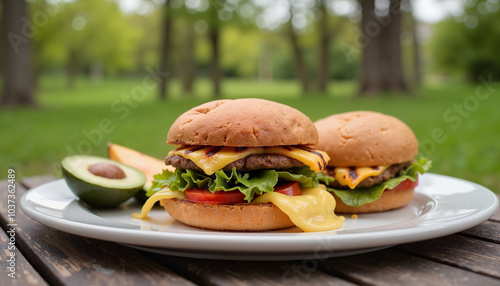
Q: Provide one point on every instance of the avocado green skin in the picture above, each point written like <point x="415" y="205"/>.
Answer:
<point x="95" y="195"/>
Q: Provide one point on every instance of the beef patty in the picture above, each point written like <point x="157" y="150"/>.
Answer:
<point x="250" y="163"/>
<point x="389" y="173"/>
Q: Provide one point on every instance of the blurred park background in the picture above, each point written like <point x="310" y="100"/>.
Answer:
<point x="76" y="74"/>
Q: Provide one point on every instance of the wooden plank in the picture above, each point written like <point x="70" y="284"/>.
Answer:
<point x="390" y="267"/>
<point x="24" y="274"/>
<point x="461" y="251"/>
<point x="35" y="181"/>
<point x="17" y="270"/>
<point x="62" y="258"/>
<point x="488" y="230"/>
<point x="219" y="272"/>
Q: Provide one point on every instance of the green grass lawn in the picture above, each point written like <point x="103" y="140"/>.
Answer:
<point x="458" y="125"/>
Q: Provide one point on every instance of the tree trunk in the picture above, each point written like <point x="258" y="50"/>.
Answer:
<point x="165" y="50"/>
<point x="298" y="60"/>
<point x="265" y="68"/>
<point x="188" y="65"/>
<point x="17" y="67"/>
<point x="96" y="71"/>
<point x="214" y="36"/>
<point x="71" y="69"/>
<point x="417" y="77"/>
<point x="381" y="66"/>
<point x="323" y="47"/>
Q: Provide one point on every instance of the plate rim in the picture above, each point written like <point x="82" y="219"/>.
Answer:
<point x="228" y="241"/>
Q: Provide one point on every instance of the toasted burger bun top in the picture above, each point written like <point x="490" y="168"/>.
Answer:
<point x="245" y="122"/>
<point x="365" y="138"/>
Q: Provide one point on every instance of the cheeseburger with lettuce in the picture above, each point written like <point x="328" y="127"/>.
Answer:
<point x="373" y="165"/>
<point x="244" y="165"/>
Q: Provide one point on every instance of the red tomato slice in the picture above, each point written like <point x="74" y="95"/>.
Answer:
<point x="234" y="197"/>
<point x="289" y="189"/>
<point x="205" y="196"/>
<point x="406" y="185"/>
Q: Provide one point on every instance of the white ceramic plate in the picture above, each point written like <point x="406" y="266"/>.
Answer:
<point x="442" y="205"/>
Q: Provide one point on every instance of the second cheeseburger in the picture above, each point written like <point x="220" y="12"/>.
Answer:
<point x="373" y="161"/>
<point x="244" y="165"/>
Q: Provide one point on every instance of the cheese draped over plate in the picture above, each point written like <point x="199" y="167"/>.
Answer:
<point x="211" y="159"/>
<point x="312" y="211"/>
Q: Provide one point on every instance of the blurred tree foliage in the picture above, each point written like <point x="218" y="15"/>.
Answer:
<point x="343" y="61"/>
<point x="91" y="36"/>
<point x="466" y="46"/>
<point x="98" y="39"/>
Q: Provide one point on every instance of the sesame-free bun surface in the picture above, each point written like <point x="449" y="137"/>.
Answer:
<point x="365" y="138"/>
<point x="388" y="201"/>
<point x="245" y="122"/>
<point x="234" y="217"/>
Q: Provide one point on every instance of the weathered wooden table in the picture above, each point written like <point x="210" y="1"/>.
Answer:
<point x="47" y="256"/>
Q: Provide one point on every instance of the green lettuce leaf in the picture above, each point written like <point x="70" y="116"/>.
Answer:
<point x="306" y="177"/>
<point x="249" y="183"/>
<point x="361" y="196"/>
<point x="160" y="181"/>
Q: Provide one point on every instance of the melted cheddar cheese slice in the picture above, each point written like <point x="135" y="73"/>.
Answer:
<point x="352" y="176"/>
<point x="211" y="159"/>
<point x="158" y="196"/>
<point x="311" y="211"/>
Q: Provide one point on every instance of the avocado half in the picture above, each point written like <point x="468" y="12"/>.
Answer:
<point x="98" y="190"/>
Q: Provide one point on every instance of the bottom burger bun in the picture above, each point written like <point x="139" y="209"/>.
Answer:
<point x="388" y="201"/>
<point x="234" y="217"/>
